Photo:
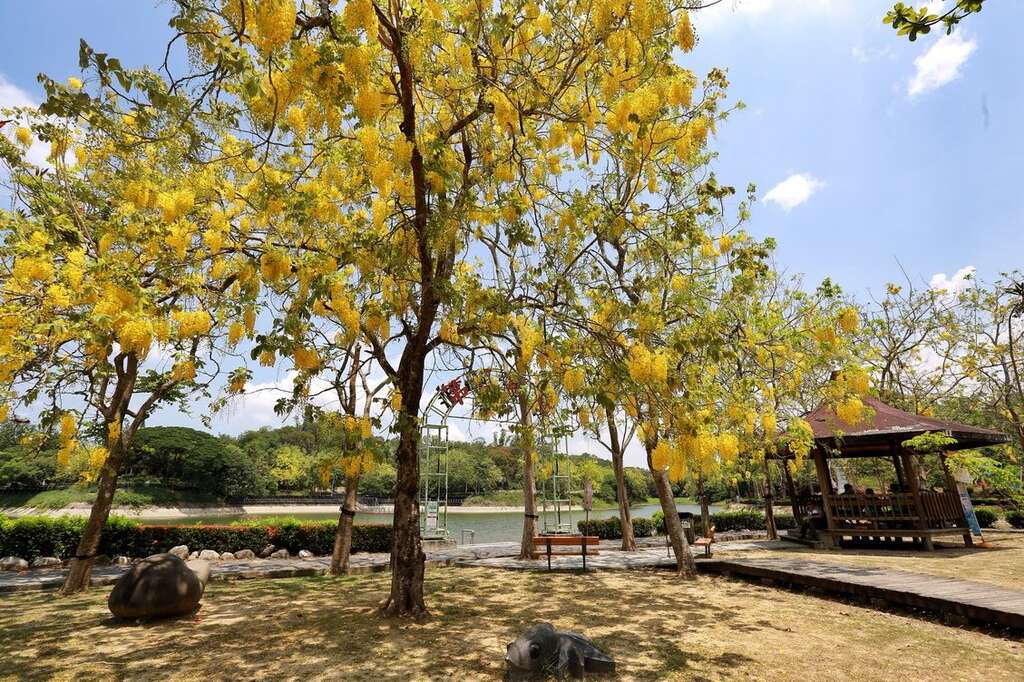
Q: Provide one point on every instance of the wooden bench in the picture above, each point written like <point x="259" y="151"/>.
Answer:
<point x="706" y="542"/>
<point x="578" y="541"/>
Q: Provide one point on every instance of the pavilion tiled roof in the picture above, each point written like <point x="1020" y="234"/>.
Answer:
<point x="889" y="423"/>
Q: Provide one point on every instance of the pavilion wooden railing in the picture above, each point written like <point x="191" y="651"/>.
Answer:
<point x="896" y="510"/>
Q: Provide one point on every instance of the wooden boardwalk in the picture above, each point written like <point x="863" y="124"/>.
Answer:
<point x="957" y="601"/>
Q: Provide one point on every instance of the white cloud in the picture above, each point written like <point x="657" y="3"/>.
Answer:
<point x="794" y="190"/>
<point x="11" y="96"/>
<point x="951" y="286"/>
<point x="866" y="55"/>
<point x="940" y="63"/>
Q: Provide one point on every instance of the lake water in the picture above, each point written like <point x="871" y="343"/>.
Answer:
<point x="486" y="526"/>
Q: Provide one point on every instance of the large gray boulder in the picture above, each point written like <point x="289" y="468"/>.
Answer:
<point x="305" y="554"/>
<point x="226" y="556"/>
<point x="159" y="586"/>
<point x="280" y="554"/>
<point x="180" y="551"/>
<point x="245" y="554"/>
<point x="46" y="562"/>
<point x="267" y="551"/>
<point x="13" y="563"/>
<point x="209" y="555"/>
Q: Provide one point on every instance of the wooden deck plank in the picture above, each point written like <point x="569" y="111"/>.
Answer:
<point x="981" y="602"/>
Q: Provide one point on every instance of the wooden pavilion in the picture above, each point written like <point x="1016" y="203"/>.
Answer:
<point x="908" y="511"/>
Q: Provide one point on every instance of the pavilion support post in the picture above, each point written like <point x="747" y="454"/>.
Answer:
<point x="910" y="469"/>
<point x="952" y="487"/>
<point x="827" y="491"/>
<point x="791" y="491"/>
<point x="900" y="476"/>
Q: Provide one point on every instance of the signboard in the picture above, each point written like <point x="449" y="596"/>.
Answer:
<point x="972" y="519"/>
<point x="432" y="515"/>
<point x="588" y="495"/>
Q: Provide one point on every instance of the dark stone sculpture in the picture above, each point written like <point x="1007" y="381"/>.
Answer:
<point x="544" y="650"/>
<point x="158" y="587"/>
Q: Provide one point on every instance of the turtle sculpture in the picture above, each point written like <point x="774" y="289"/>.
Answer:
<point x="543" y="650"/>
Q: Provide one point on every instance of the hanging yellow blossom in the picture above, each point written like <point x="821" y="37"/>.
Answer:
<point x="192" y="322"/>
<point x="851" y="410"/>
<point x="24" y="136"/>
<point x="684" y="33"/>
<point x="306" y="358"/>
<point x="275" y="21"/>
<point x="235" y="332"/>
<point x="573" y="380"/>
<point x="849" y="320"/>
<point x="136" y="336"/>
<point x="183" y="371"/>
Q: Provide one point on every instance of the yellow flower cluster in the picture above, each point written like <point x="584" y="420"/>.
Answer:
<point x="275" y="21"/>
<point x="136" y="336"/>
<point x="274" y="265"/>
<point x="24" y="136"/>
<point x="684" y="33"/>
<point x="183" y="371"/>
<point x="851" y="410"/>
<point x="192" y="323"/>
<point x="306" y="358"/>
<point x="359" y="14"/>
<point x="646" y="366"/>
<point x="529" y="338"/>
<point x="367" y="104"/>
<point x="449" y="332"/>
<point x="573" y="380"/>
<point x="849" y="320"/>
<point x="175" y="204"/>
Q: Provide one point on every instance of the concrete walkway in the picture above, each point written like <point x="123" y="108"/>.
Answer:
<point x="51" y="579"/>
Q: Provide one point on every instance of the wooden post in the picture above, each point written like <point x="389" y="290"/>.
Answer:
<point x="769" y="512"/>
<point x="900" y="477"/>
<point x="910" y="469"/>
<point x="825" y="482"/>
<point x="791" y="491"/>
<point x="952" y="487"/>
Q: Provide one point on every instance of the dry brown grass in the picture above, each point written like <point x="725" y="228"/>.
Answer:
<point x="655" y="625"/>
<point x="1002" y="564"/>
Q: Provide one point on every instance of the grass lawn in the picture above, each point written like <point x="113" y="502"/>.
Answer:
<point x="128" y="496"/>
<point x="656" y="626"/>
<point x="1003" y="564"/>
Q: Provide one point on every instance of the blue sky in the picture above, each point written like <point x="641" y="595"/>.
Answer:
<point x="868" y="151"/>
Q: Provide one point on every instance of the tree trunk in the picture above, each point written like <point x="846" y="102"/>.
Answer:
<point x="528" y="443"/>
<point x="680" y="547"/>
<point x="407" y="558"/>
<point x="705" y="513"/>
<point x="80" y="571"/>
<point x="343" y="535"/>
<point x="625" y="518"/>
<point x="769" y="501"/>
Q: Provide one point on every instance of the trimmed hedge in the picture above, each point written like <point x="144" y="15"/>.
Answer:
<point x="611" y="528"/>
<point x="1015" y="518"/>
<point x="33" y="536"/>
<point x="741" y="519"/>
<point x="986" y="516"/>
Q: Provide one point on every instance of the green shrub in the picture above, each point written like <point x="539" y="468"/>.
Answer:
<point x="33" y="536"/>
<point x="784" y="521"/>
<point x="1015" y="518"/>
<point x="611" y="528"/>
<point x="986" y="516"/>
<point x="742" y="519"/>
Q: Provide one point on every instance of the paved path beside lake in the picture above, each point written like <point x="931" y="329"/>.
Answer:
<point x="51" y="579"/>
<point x="461" y="555"/>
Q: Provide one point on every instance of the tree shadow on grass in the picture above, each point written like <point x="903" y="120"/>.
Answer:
<point x="654" y="625"/>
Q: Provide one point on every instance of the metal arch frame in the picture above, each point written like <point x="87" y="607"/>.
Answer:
<point x="556" y="490"/>
<point x="433" y="459"/>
